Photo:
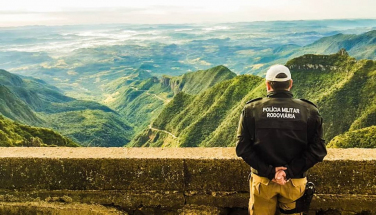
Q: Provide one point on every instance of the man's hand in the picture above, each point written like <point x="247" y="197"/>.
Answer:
<point x="280" y="175"/>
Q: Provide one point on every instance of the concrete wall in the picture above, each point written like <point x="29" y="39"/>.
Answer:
<point x="170" y="180"/>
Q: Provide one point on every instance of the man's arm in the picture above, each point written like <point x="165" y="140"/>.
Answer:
<point x="244" y="149"/>
<point x="315" y="152"/>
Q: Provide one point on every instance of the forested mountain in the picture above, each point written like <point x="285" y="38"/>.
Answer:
<point x="15" y="134"/>
<point x="139" y="100"/>
<point x="342" y="87"/>
<point x="207" y="119"/>
<point x="14" y="108"/>
<point x="195" y="109"/>
<point x="34" y="102"/>
<point x="360" y="46"/>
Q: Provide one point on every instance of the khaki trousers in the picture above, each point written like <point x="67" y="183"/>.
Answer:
<point x="267" y="195"/>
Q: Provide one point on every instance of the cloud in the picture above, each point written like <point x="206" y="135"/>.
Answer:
<point x="70" y="12"/>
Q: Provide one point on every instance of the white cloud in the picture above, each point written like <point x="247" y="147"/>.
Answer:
<point x="53" y="12"/>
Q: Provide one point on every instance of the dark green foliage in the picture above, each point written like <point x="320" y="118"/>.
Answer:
<point x="14" y="134"/>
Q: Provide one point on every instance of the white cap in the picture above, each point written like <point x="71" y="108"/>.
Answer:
<point x="271" y="74"/>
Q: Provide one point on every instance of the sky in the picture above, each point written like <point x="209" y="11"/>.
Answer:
<point x="73" y="12"/>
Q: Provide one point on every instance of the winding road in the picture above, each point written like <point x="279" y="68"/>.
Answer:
<point x="150" y="94"/>
<point x="155" y="129"/>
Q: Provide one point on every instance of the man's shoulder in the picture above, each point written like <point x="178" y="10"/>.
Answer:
<point x="253" y="100"/>
<point x="309" y="102"/>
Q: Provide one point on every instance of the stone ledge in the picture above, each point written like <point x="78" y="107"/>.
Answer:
<point x="172" y="180"/>
<point x="55" y="208"/>
<point x="150" y="153"/>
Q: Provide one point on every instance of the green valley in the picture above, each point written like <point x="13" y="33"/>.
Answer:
<point x="34" y="102"/>
<point x="140" y="100"/>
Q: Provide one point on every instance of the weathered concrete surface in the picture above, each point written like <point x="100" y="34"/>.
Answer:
<point x="10" y="208"/>
<point x="172" y="180"/>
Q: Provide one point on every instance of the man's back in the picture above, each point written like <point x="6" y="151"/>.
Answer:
<point x="280" y="138"/>
<point x="281" y="126"/>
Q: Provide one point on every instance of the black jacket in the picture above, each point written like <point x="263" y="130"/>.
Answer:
<point x="280" y="131"/>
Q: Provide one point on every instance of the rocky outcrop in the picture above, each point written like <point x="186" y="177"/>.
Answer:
<point x="174" y="83"/>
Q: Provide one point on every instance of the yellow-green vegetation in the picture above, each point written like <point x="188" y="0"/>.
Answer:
<point x="15" y="134"/>
<point x="361" y="138"/>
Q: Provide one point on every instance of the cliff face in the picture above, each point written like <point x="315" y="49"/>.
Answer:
<point x="173" y="83"/>
<point x="196" y="82"/>
<point x="311" y="62"/>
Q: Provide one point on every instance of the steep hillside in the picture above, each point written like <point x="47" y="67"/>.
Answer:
<point x="15" y="134"/>
<point x="14" y="108"/>
<point x="207" y="119"/>
<point x="139" y="100"/>
<point x="196" y="82"/>
<point x="343" y="88"/>
<point x="34" y="102"/>
<point x="42" y="97"/>
<point x="361" y="138"/>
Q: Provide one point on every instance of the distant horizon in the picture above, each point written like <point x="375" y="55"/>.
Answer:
<point x="192" y="23"/>
<point x="18" y="13"/>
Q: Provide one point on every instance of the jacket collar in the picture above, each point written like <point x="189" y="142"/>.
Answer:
<point x="280" y="94"/>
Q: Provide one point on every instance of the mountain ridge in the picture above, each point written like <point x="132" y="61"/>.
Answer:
<point x="332" y="81"/>
<point x="140" y="100"/>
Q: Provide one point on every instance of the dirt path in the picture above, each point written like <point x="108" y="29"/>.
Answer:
<point x="150" y="94"/>
<point x="164" y="131"/>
